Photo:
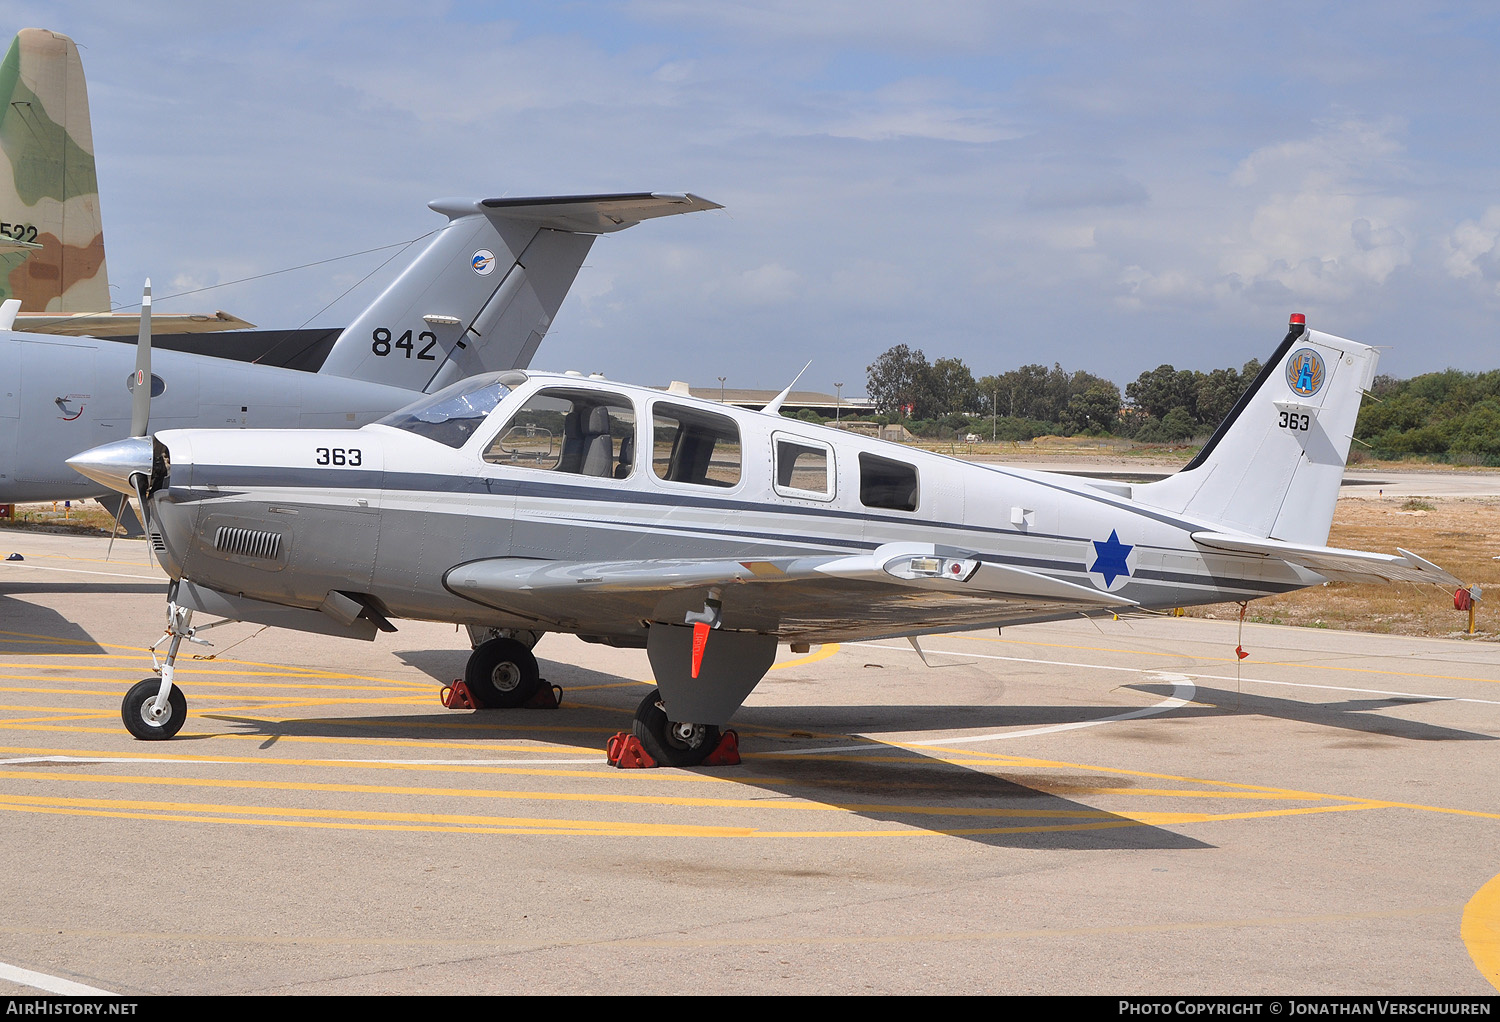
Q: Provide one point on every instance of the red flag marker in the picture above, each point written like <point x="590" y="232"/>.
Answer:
<point x="700" y="642"/>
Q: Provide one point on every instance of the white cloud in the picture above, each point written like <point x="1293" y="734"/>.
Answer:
<point x="1471" y="247"/>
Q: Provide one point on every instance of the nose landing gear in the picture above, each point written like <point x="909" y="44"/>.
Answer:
<point x="154" y="709"/>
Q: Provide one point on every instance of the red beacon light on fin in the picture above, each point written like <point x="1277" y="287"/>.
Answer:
<point x="1298" y="319"/>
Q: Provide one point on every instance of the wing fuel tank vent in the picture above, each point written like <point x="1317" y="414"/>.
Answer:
<point x="248" y="542"/>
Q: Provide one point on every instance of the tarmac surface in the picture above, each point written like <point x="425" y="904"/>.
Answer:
<point x="1113" y="808"/>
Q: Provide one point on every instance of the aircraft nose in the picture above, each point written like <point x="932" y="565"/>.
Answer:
<point x="114" y="463"/>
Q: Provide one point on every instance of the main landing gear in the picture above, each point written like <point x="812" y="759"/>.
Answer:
<point x="502" y="672"/>
<point x="670" y="742"/>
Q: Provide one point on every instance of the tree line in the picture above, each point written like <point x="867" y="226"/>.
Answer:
<point x="1451" y="415"/>
<point x="943" y="397"/>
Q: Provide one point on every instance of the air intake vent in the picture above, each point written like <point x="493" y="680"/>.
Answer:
<point x="158" y="543"/>
<point x="248" y="542"/>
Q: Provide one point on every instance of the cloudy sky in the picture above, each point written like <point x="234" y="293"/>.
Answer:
<point x="1083" y="183"/>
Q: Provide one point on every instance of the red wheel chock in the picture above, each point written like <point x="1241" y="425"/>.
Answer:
<point x="626" y="752"/>
<point x="727" y="752"/>
<point x="548" y="697"/>
<point x="458" y="697"/>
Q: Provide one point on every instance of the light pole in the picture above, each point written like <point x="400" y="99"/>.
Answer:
<point x="994" y="405"/>
<point x="838" y="404"/>
<point x="721" y="388"/>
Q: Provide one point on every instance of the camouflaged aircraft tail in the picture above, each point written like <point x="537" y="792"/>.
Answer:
<point x="49" y="195"/>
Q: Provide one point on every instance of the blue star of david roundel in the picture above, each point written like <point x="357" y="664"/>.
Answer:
<point x="1114" y="562"/>
<point x="1305" y="372"/>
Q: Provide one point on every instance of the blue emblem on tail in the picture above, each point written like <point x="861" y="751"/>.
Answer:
<point x="1305" y="372"/>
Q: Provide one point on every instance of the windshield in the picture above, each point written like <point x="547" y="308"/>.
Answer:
<point x="452" y="414"/>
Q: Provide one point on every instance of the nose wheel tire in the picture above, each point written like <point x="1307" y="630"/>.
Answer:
<point x="135" y="710"/>
<point x="672" y="743"/>
<point x="502" y="672"/>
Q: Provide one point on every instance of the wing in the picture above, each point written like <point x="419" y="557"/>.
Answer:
<point x="897" y="589"/>
<point x="1335" y="563"/>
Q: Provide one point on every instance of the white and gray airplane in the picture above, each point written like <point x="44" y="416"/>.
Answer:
<point x="480" y="297"/>
<point x="531" y="502"/>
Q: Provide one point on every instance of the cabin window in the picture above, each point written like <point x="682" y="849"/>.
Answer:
<point x="693" y="446"/>
<point x="581" y="432"/>
<point x="804" y="468"/>
<point x="887" y="484"/>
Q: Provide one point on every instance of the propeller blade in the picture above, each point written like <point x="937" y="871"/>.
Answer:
<point x="141" y="481"/>
<point x="140" y="404"/>
<point x="119" y="512"/>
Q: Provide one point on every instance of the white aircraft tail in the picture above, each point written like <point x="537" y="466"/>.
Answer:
<point x="1274" y="466"/>
<point x="481" y="296"/>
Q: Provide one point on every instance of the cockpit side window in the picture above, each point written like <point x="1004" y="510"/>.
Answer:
<point x="580" y="432"/>
<point x="693" y="446"/>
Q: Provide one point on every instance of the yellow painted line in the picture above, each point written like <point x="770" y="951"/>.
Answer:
<point x="464" y="823"/>
<point x="199" y="683"/>
<point x="385" y="743"/>
<point x="1001" y="759"/>
<point x="155" y="756"/>
<point x="723" y="937"/>
<point x="777" y="801"/>
<point x="1225" y="660"/>
<point x="821" y="653"/>
<point x="1480" y="931"/>
<point x="372" y="816"/>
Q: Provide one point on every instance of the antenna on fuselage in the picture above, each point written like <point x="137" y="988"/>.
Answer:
<point x="774" y="408"/>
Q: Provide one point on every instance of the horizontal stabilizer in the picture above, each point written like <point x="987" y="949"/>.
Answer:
<point x="95" y="324"/>
<point x="595" y="214"/>
<point x="1334" y="563"/>
<point x="484" y="292"/>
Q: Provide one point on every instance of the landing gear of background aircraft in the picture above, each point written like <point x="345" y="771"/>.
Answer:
<point x="502" y="673"/>
<point x="671" y="743"/>
<point x="141" y="717"/>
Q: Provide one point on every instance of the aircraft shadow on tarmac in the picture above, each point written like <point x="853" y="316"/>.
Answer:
<point x="37" y="630"/>
<point x="1346" y="715"/>
<point x="873" y="781"/>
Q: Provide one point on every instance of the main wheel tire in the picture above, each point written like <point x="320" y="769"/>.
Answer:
<point x="671" y="743"/>
<point x="502" y="672"/>
<point x="135" y="711"/>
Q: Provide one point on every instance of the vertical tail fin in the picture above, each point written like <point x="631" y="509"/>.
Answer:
<point x="1274" y="466"/>
<point x="481" y="296"/>
<point x="50" y="196"/>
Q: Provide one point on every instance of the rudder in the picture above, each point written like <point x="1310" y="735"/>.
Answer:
<point x="1274" y="466"/>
